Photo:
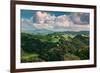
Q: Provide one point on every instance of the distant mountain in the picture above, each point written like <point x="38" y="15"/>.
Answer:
<point x="38" y="31"/>
<point x="45" y="32"/>
<point x="72" y="32"/>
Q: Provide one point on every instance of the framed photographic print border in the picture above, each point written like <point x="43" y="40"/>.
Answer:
<point x="13" y="35"/>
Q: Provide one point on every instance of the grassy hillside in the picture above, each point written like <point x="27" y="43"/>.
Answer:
<point x="58" y="46"/>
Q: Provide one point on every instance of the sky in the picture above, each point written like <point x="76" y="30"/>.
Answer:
<point x="54" y="20"/>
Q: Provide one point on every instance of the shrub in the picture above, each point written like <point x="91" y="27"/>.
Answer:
<point x="71" y="57"/>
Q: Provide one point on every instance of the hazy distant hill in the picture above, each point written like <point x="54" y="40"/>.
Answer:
<point x="39" y="31"/>
<point x="45" y="32"/>
<point x="72" y="32"/>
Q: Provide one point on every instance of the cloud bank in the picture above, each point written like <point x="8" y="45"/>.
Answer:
<point x="43" y="20"/>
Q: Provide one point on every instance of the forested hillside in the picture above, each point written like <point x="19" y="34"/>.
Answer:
<point x="58" y="46"/>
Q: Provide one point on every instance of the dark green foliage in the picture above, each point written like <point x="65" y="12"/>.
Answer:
<point x="54" y="54"/>
<point x="54" y="47"/>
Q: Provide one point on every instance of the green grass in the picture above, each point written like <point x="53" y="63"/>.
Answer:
<point x="29" y="57"/>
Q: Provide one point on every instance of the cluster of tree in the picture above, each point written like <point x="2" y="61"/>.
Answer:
<point x="38" y="48"/>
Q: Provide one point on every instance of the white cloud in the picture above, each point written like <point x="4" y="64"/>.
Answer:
<point x="80" y="18"/>
<point x="26" y="24"/>
<point x="43" y="26"/>
<point x="44" y="20"/>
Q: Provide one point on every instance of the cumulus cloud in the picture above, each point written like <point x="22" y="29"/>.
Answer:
<point x="26" y="24"/>
<point x="43" y="20"/>
<point x="80" y="18"/>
